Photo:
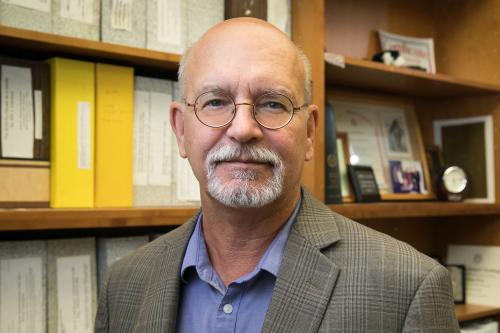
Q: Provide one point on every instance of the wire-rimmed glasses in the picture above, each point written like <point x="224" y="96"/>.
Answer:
<point x="216" y="108"/>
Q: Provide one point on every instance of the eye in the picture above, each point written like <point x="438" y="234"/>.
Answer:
<point x="273" y="105"/>
<point x="214" y="103"/>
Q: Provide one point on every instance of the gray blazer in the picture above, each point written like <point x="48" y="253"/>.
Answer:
<point x="336" y="276"/>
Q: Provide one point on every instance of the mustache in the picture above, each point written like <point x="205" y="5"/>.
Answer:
<point x="242" y="152"/>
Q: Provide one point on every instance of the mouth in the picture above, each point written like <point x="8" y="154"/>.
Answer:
<point x="244" y="163"/>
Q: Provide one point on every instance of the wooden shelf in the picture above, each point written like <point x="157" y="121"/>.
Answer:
<point x="50" y="219"/>
<point x="467" y="312"/>
<point x="363" y="74"/>
<point x="46" y="45"/>
<point x="382" y="210"/>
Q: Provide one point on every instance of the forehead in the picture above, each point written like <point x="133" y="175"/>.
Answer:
<point x="251" y="58"/>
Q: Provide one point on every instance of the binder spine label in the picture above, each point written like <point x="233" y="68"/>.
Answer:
<point x="74" y="292"/>
<point x="78" y="10"/>
<point x="17" y="112"/>
<point x="21" y="291"/>
<point x="169" y="21"/>
<point x="84" y="158"/>
<point x="38" y="114"/>
<point x="121" y="15"/>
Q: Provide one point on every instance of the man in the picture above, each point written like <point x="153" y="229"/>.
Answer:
<point x="263" y="255"/>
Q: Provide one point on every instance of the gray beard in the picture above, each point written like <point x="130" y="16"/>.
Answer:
<point x="241" y="193"/>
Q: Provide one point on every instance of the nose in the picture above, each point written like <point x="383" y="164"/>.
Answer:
<point x="244" y="127"/>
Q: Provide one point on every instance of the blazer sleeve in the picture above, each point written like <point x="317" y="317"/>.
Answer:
<point x="432" y="309"/>
<point x="101" y="320"/>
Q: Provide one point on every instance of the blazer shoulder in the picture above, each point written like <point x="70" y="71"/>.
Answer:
<point x="145" y="258"/>
<point x="378" y="247"/>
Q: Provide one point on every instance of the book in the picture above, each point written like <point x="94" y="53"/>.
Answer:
<point x="124" y="22"/>
<point x="72" y="133"/>
<point x="27" y="14"/>
<point x="24" y="184"/>
<point x="201" y="16"/>
<point x="153" y="142"/>
<point x="24" y="109"/>
<point x="166" y="25"/>
<point x="76" y="18"/>
<point x="333" y="190"/>
<point x="23" y="286"/>
<point x="72" y="285"/>
<point x="114" y="134"/>
<point x="112" y="249"/>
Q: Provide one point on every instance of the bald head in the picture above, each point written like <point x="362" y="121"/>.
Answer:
<point x="253" y="39"/>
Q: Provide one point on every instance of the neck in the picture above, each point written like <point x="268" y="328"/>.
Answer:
<point x="237" y="238"/>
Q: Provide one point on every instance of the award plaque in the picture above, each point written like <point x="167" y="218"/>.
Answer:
<point x="363" y="183"/>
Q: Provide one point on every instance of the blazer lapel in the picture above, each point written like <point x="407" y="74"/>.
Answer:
<point x="160" y="304"/>
<point x="307" y="277"/>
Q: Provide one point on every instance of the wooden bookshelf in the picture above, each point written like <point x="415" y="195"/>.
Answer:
<point x="382" y="210"/>
<point x="374" y="76"/>
<point x="92" y="218"/>
<point x="44" y="45"/>
<point x="467" y="312"/>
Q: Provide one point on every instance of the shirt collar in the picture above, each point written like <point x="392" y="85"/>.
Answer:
<point x="197" y="255"/>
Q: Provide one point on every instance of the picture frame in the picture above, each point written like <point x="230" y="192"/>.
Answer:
<point x="468" y="143"/>
<point x="363" y="183"/>
<point x="457" y="274"/>
<point x="381" y="131"/>
<point x="343" y="158"/>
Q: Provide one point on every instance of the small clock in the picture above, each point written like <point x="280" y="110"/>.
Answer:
<point x="452" y="184"/>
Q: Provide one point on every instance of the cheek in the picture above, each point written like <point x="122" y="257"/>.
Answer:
<point x="198" y="139"/>
<point x="292" y="148"/>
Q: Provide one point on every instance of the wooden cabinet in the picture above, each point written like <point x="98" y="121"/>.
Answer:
<point x="467" y="46"/>
<point x="467" y="83"/>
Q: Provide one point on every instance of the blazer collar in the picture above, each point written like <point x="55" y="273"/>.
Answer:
<point x="160" y="304"/>
<point x="306" y="278"/>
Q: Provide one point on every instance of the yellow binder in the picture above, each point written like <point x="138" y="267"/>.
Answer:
<point x="114" y="135"/>
<point x="72" y="133"/>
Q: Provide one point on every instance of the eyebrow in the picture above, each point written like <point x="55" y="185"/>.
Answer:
<point x="210" y="87"/>
<point x="258" y="92"/>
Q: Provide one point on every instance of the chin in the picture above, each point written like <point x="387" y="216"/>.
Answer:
<point x="245" y="193"/>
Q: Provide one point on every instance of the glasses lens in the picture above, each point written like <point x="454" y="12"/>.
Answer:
<point x="273" y="110"/>
<point x="214" y="108"/>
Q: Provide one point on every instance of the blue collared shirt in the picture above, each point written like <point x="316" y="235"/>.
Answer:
<point x="206" y="305"/>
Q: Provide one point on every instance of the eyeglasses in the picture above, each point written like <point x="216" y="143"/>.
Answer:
<point x="217" y="109"/>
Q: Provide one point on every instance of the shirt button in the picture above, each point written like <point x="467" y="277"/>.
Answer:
<point x="228" y="309"/>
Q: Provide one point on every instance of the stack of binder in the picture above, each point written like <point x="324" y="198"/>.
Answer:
<point x="24" y="133"/>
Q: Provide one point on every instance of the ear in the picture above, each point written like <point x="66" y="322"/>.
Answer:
<point x="177" y="124"/>
<point x="312" y="123"/>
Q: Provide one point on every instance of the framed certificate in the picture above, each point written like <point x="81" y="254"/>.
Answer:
<point x="386" y="137"/>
